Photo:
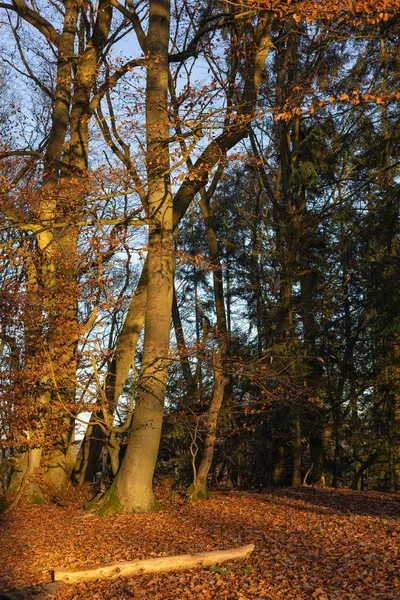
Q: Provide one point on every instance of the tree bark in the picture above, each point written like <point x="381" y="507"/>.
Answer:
<point x="357" y="483"/>
<point x="297" y="453"/>
<point x="63" y="272"/>
<point x="132" y="489"/>
<point x="88" y="456"/>
<point x="198" y="489"/>
<point x="164" y="564"/>
<point x="183" y="353"/>
<point x="62" y="196"/>
<point x="23" y="481"/>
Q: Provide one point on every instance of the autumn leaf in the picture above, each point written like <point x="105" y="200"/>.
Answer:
<point x="291" y="560"/>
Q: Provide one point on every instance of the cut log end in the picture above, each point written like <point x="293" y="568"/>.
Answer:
<point x="163" y="564"/>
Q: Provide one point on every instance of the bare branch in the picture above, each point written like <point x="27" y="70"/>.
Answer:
<point x="29" y="73"/>
<point x="35" y="19"/>
<point x="112" y="81"/>
<point x="132" y="15"/>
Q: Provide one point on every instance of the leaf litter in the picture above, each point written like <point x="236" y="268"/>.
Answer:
<point x="310" y="544"/>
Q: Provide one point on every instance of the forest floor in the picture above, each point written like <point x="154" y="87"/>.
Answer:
<point x="310" y="543"/>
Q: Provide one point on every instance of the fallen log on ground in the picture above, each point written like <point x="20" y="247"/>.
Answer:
<point x="151" y="565"/>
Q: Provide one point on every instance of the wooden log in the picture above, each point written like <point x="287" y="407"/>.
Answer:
<point x="151" y="565"/>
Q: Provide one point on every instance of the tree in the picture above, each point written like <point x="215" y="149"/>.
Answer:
<point x="53" y="215"/>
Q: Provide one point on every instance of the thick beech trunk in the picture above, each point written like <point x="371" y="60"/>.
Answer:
<point x="59" y="461"/>
<point x="44" y="351"/>
<point x="23" y="481"/>
<point x="62" y="248"/>
<point x="132" y="489"/>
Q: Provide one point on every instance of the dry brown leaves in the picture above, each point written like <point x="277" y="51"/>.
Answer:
<point x="315" y="544"/>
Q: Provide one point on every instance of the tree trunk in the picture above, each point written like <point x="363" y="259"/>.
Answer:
<point x="357" y="483"/>
<point x="62" y="197"/>
<point x="23" y="481"/>
<point x="297" y="453"/>
<point x="391" y="462"/>
<point x="113" y="451"/>
<point x="128" y="338"/>
<point x="44" y="351"/>
<point x="89" y="454"/>
<point x="124" y="357"/>
<point x="278" y="465"/>
<point x="318" y="448"/>
<point x="132" y="489"/>
<point x="218" y="287"/>
<point x="198" y="489"/>
<point x="183" y="353"/>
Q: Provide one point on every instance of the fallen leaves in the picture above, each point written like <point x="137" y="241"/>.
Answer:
<point x="310" y="544"/>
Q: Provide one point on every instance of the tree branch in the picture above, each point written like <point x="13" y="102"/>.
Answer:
<point x="112" y="81"/>
<point x="35" y="19"/>
<point x="132" y="15"/>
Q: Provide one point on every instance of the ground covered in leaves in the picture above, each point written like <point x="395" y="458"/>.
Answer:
<point x="310" y="543"/>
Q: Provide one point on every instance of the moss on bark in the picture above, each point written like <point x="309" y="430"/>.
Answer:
<point x="197" y="493"/>
<point x="110" y="504"/>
